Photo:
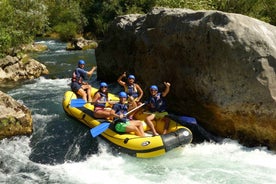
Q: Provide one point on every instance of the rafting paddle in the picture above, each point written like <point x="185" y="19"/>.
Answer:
<point x="104" y="126"/>
<point x="81" y="102"/>
<point x="78" y="102"/>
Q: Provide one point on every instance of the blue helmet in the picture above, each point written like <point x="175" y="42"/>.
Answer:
<point x="122" y="95"/>
<point x="131" y="77"/>
<point x="154" y="87"/>
<point x="103" y="84"/>
<point x="81" y="62"/>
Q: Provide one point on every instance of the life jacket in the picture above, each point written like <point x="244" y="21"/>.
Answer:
<point x="120" y="108"/>
<point x="131" y="90"/>
<point x="76" y="76"/>
<point x="157" y="103"/>
<point x="103" y="99"/>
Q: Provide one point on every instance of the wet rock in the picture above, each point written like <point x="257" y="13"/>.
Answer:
<point x="15" y="118"/>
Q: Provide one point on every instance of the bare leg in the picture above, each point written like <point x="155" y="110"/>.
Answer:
<point x="102" y="114"/>
<point x="87" y="89"/>
<point x="132" y="128"/>
<point x="150" y="124"/>
<point x="132" y="105"/>
<point x="166" y="126"/>
<point x="89" y="94"/>
<point x="82" y="93"/>
<point x="139" y="126"/>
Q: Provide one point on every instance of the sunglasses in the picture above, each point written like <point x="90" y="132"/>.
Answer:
<point x="104" y="87"/>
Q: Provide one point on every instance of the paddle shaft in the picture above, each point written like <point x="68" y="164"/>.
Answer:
<point x="132" y="110"/>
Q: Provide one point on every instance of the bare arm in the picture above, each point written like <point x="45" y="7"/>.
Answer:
<point x="89" y="73"/>
<point x="167" y="89"/>
<point x="96" y="97"/>
<point x="119" y="80"/>
<point x="113" y="114"/>
<point x="140" y="91"/>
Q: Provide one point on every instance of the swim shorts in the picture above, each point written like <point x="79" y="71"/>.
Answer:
<point x="159" y="115"/>
<point x="121" y="126"/>
<point x="75" y="86"/>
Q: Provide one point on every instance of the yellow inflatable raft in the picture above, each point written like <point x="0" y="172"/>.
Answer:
<point x="142" y="147"/>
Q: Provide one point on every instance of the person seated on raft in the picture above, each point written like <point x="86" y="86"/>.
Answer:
<point x="122" y="123"/>
<point x="157" y="107"/>
<point x="133" y="90"/>
<point x="100" y="99"/>
<point x="78" y="85"/>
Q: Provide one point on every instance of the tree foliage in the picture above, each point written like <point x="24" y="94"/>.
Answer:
<point x="22" y="20"/>
<point x="261" y="9"/>
<point x="264" y="10"/>
<point x="66" y="18"/>
<point x="100" y="13"/>
<point x="190" y="4"/>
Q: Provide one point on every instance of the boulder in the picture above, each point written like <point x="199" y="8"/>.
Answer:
<point x="15" y="118"/>
<point x="221" y="67"/>
<point x="81" y="44"/>
<point x="15" y="68"/>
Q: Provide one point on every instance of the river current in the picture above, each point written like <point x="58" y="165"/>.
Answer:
<point x="61" y="150"/>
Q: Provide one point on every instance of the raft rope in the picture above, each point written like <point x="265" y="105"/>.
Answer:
<point x="70" y="103"/>
<point x="125" y="139"/>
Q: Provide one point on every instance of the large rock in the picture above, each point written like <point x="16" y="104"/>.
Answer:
<point x="15" y="118"/>
<point x="81" y="44"/>
<point x="221" y="67"/>
<point x="14" y="68"/>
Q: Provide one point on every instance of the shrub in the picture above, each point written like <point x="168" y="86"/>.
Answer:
<point x="66" y="31"/>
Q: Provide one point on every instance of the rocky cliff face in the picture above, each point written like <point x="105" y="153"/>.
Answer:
<point x="221" y="67"/>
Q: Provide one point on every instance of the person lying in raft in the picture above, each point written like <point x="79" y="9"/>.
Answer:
<point x="122" y="123"/>
<point x="157" y="107"/>
<point x="100" y="99"/>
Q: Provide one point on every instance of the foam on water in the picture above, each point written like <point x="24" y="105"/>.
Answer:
<point x="228" y="162"/>
<point x="203" y="163"/>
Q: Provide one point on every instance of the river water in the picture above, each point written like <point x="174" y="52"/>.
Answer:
<point x="61" y="150"/>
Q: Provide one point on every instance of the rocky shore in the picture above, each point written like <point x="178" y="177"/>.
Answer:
<point x="15" y="118"/>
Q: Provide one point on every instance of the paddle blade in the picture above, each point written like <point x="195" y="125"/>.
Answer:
<point x="188" y="119"/>
<point x="183" y="119"/>
<point x="77" y="102"/>
<point x="99" y="129"/>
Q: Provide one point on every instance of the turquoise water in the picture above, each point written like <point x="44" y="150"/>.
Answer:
<point x="61" y="150"/>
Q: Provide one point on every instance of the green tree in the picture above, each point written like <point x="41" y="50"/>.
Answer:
<point x="264" y="10"/>
<point x="100" y="13"/>
<point x="20" y="21"/>
<point x="261" y="9"/>
<point x="191" y="4"/>
<point x="66" y="18"/>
